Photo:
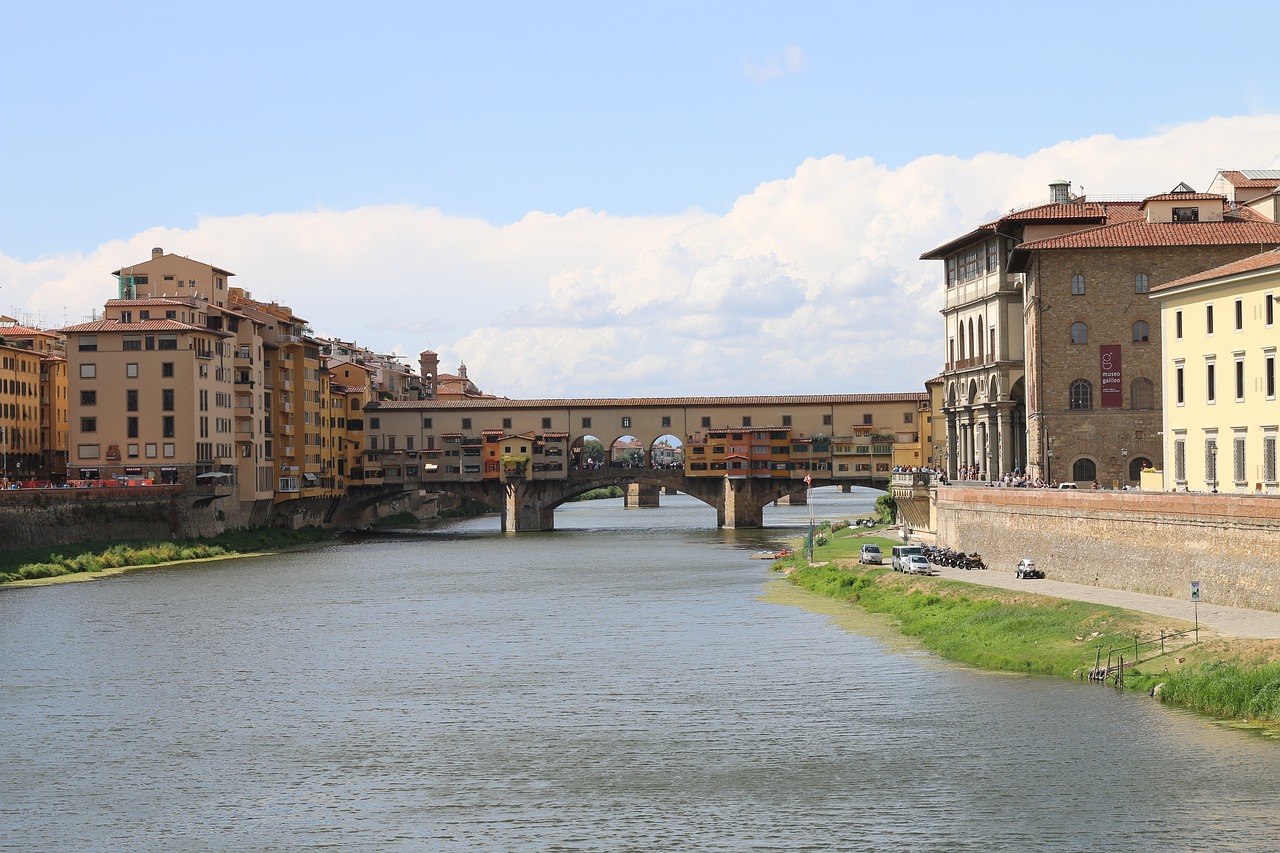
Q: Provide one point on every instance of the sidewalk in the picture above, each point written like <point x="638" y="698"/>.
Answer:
<point x="1227" y="621"/>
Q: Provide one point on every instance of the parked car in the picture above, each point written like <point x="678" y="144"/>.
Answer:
<point x="916" y="564"/>
<point x="1067" y="486"/>
<point x="1028" y="569"/>
<point x="870" y="554"/>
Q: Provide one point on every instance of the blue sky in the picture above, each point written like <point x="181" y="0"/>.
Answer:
<point x="512" y="177"/>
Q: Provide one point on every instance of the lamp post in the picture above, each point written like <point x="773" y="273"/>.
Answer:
<point x="1124" y="465"/>
<point x="1048" y="475"/>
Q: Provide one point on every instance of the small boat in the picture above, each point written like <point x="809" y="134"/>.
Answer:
<point x="771" y="555"/>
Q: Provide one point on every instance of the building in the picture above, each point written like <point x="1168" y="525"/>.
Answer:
<point x="1221" y="417"/>
<point x="1258" y="189"/>
<point x="1093" y="336"/>
<point x="54" y="433"/>
<point x="1052" y="348"/>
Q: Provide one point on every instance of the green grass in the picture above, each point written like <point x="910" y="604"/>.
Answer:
<point x="93" y="557"/>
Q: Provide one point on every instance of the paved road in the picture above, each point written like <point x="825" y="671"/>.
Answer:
<point x="1228" y="621"/>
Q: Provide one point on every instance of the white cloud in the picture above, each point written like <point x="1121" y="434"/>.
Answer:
<point x="792" y="60"/>
<point x="810" y="284"/>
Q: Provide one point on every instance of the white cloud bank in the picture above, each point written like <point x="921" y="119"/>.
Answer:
<point x="810" y="284"/>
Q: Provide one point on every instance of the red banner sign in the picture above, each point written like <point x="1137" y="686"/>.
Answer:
<point x="1112" y="396"/>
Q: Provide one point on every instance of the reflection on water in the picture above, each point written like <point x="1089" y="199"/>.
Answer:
<point x="628" y="682"/>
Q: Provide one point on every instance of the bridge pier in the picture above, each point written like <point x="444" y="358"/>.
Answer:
<point x="639" y="495"/>
<point x="524" y="508"/>
<point x="744" y="502"/>
<point x="794" y="499"/>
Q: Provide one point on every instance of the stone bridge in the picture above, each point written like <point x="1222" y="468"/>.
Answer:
<point x="528" y="505"/>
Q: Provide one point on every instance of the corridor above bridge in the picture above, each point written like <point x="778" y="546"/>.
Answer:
<point x="849" y="438"/>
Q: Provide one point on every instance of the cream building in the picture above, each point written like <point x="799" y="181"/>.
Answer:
<point x="1221" y="418"/>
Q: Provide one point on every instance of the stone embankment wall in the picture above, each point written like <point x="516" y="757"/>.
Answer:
<point x="31" y="518"/>
<point x="36" y="518"/>
<point x="1152" y="542"/>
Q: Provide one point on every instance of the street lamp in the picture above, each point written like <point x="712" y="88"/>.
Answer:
<point x="1124" y="464"/>
<point x="1048" y="475"/>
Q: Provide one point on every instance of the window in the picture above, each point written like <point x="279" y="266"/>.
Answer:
<point x="746" y="420"/>
<point x="626" y="422"/>
<point x="1269" y="458"/>
<point x="1177" y="324"/>
<point x="1081" y="395"/>
<point x="1077" y="285"/>
<point x="706" y="423"/>
<point x="166" y="369"/>
<point x="1181" y="386"/>
<point x="88" y="424"/>
<point x="908" y="417"/>
<point x="866" y="420"/>
<point x="1084" y="469"/>
<point x="666" y="421"/>
<point x="1237" y="460"/>
<point x="426" y="422"/>
<point x="546" y="423"/>
<point x="131" y="425"/>
<point x="1180" y="460"/>
<point x="131" y="370"/>
<point x="586" y="423"/>
<point x="1142" y="394"/>
<point x="1208" y="319"/>
<point x="1141" y="284"/>
<point x="1209" y="379"/>
<point x="89" y="451"/>
<point x="506" y="423"/>
<point x="1211" y="461"/>
<point x="376" y="423"/>
<point x="168" y="426"/>
<point x="88" y="398"/>
<point x="993" y="255"/>
<point x="168" y="450"/>
<point x="1141" y="332"/>
<point x="1270" y="370"/>
<point x="132" y="343"/>
<point x="786" y="420"/>
<point x="1239" y="314"/>
<point x="168" y="342"/>
<point x="88" y="371"/>
<point x="1079" y="333"/>
<point x="1270" y="309"/>
<point x="131" y="400"/>
<point x="1239" y="379"/>
<point x="1186" y="214"/>
<point x="166" y="400"/>
<point x="88" y="343"/>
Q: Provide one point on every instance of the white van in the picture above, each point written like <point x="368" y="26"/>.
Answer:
<point x="900" y="554"/>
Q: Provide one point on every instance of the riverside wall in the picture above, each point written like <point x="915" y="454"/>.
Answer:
<point x="1152" y="542"/>
<point x="38" y="518"/>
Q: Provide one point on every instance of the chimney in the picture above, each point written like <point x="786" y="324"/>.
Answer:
<point x="157" y="252"/>
<point x="1060" y="192"/>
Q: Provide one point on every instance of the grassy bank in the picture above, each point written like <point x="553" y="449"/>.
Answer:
<point x="96" y="557"/>
<point x="1013" y="631"/>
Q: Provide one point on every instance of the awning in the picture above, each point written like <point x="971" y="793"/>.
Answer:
<point x="310" y="478"/>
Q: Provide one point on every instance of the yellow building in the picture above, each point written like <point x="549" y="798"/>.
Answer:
<point x="1221" y="417"/>
<point x="49" y="348"/>
<point x="20" y="448"/>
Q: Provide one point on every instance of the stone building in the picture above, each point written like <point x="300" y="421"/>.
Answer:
<point x="1052" y="347"/>
<point x="1093" y="336"/>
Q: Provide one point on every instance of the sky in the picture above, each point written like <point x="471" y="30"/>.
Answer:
<point x="599" y="200"/>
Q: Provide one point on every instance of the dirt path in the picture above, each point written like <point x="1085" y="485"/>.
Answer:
<point x="1227" y="621"/>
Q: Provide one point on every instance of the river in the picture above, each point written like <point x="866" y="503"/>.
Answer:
<point x="630" y="682"/>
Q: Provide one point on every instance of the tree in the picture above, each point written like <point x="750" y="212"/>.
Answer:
<point x="887" y="508"/>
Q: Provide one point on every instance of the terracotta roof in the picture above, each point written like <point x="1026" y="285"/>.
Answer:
<point x="1248" y="227"/>
<point x="19" y="331"/>
<point x="1254" y="262"/>
<point x="1099" y="212"/>
<point x="158" y="300"/>
<point x="654" y="402"/>
<point x="156" y="325"/>
<point x="1182" y="197"/>
<point x="1240" y="181"/>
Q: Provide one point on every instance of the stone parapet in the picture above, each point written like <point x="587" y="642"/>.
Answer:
<point x="1152" y="542"/>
